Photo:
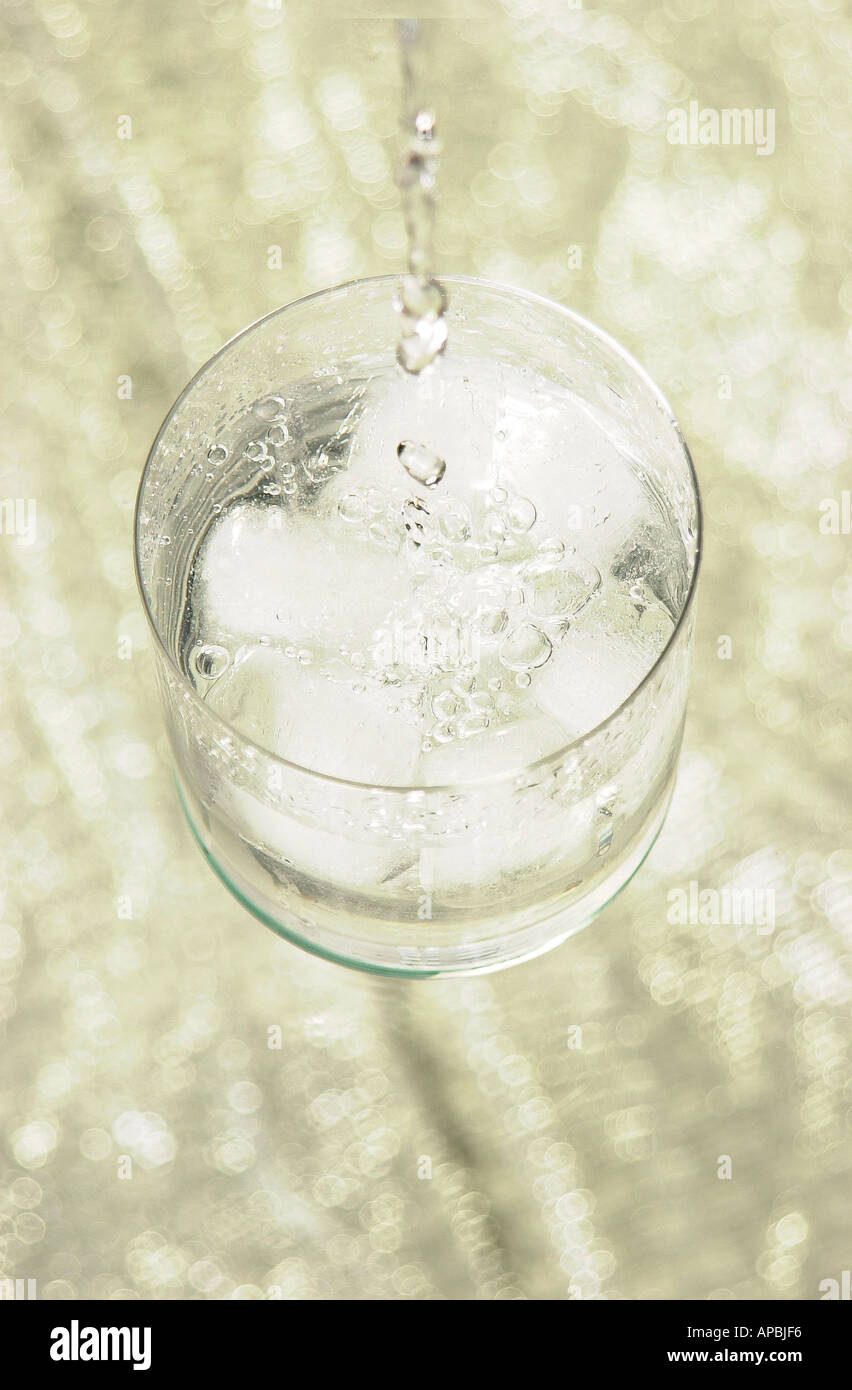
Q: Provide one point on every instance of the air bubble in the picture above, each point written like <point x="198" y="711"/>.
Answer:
<point x="278" y="435"/>
<point x="551" y="550"/>
<point x="420" y="463"/>
<point x="527" y="646"/>
<point x="217" y="455"/>
<point x="521" y="515"/>
<point x="255" y="450"/>
<point x="497" y="496"/>
<point x="472" y="724"/>
<point x="383" y="533"/>
<point x="454" y="522"/>
<point x="523" y="679"/>
<point x="444" y="705"/>
<point x="493" y="621"/>
<point x="561" y="592"/>
<point x="210" y="661"/>
<point x="351" y="507"/>
<point x="417" y="520"/>
<point x="271" y="408"/>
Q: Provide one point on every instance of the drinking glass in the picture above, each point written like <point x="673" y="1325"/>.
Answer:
<point x="275" y="524"/>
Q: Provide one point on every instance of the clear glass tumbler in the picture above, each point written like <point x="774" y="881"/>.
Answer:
<point x="405" y="776"/>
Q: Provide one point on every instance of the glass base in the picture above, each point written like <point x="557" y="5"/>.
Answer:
<point x="423" y="963"/>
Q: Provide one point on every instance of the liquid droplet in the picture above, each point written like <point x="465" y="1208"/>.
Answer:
<point x="420" y="344"/>
<point x="422" y="299"/>
<point x="526" y="647"/>
<point x="424" y="124"/>
<point x="420" y="463"/>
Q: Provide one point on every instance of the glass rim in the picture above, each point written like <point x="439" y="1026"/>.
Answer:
<point x="471" y="784"/>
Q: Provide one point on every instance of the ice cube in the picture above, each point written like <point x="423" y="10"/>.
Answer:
<point x="654" y="556"/>
<point x="549" y="451"/>
<point x="350" y="861"/>
<point x="492" y="753"/>
<point x="318" y="723"/>
<point x="451" y="416"/>
<point x="522" y="830"/>
<point x="262" y="572"/>
<point x="600" y="661"/>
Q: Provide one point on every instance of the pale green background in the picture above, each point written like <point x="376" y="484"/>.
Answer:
<point x="556" y="1172"/>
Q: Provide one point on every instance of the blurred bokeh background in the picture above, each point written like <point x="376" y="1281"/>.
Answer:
<point x="561" y="1130"/>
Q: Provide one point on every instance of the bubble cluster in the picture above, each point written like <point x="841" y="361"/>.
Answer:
<point x="487" y="600"/>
